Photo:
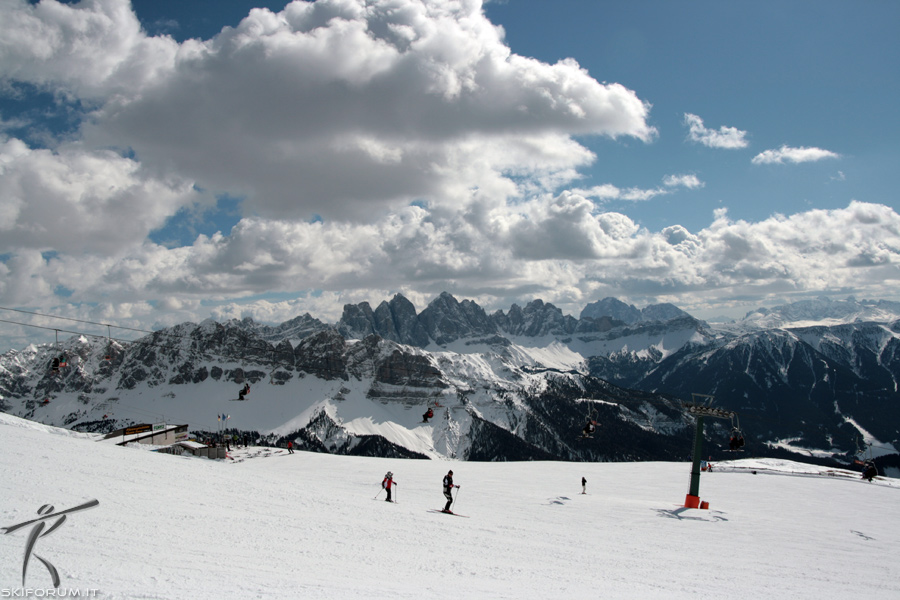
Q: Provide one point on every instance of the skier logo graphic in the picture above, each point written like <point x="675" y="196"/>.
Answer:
<point x="46" y="513"/>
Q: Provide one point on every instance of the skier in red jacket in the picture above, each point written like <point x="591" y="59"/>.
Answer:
<point x="386" y="483"/>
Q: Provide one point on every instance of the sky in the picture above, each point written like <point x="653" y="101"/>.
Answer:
<point x="271" y="525"/>
<point x="165" y="161"/>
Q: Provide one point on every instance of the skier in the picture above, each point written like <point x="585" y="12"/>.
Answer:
<point x="448" y="486"/>
<point x="588" y="429"/>
<point x="583" y="485"/>
<point x="386" y="483"/>
<point x="428" y="414"/>
<point x="244" y="391"/>
<point x="290" y="447"/>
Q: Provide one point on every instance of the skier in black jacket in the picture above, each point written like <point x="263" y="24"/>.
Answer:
<point x="448" y="486"/>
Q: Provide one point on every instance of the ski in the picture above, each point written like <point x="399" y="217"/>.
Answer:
<point x="449" y="513"/>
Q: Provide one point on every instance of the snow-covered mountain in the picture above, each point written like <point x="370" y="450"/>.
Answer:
<point x="628" y="313"/>
<point x="347" y="396"/>
<point x="517" y="384"/>
<point x="822" y="311"/>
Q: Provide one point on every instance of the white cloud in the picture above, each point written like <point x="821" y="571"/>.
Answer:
<point x="552" y="248"/>
<point x="793" y="155"/>
<point x="724" y="137"/>
<point x="72" y="200"/>
<point x="608" y="191"/>
<point x="689" y="181"/>
<point x="355" y="111"/>
<point x="92" y="49"/>
<point x="336" y="108"/>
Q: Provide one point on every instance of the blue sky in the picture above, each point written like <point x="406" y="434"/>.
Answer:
<point x="800" y="74"/>
<point x="163" y="161"/>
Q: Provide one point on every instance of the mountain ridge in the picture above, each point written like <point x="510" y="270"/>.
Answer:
<point x="529" y="376"/>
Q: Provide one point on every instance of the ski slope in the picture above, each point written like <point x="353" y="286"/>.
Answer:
<point x="271" y="525"/>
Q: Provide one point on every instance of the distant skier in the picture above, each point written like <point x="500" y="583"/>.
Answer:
<point x="448" y="487"/>
<point x="428" y="414"/>
<point x="290" y="447"/>
<point x="244" y="391"/>
<point x="387" y="483"/>
<point x="583" y="485"/>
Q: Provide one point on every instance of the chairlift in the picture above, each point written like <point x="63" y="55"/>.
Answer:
<point x="866" y="460"/>
<point x="59" y="361"/>
<point x="108" y="355"/>
<point x="736" y="442"/>
<point x="863" y="451"/>
<point x="244" y="392"/>
<point x="588" y="430"/>
<point x="870" y="471"/>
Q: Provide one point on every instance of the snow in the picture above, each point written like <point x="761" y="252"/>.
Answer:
<point x="272" y="525"/>
<point x="874" y="446"/>
<point x="790" y="445"/>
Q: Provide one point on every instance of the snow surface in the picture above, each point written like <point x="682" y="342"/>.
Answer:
<point x="272" y="525"/>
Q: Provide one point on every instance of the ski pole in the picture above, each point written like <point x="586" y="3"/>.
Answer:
<point x="378" y="494"/>
<point x="452" y="506"/>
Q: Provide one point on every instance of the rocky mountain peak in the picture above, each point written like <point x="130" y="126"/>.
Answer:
<point x="536" y="319"/>
<point x="446" y="319"/>
<point x="614" y="308"/>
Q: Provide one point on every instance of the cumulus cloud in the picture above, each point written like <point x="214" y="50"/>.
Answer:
<point x="792" y="155"/>
<point x="435" y="157"/>
<point x="556" y="248"/>
<point x="91" y="50"/>
<point x="330" y="108"/>
<point x="724" y="137"/>
<point x="72" y="200"/>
